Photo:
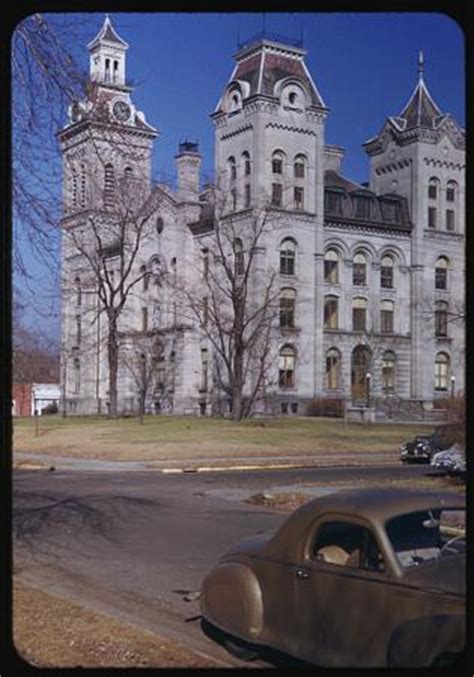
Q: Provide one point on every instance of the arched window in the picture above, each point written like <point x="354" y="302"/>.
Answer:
<point x="287" y="257"/>
<point x="156" y="267"/>
<point x="441" y="318"/>
<point x="232" y="168"/>
<point x="286" y="367"/>
<point x="441" y="375"/>
<point x="359" y="314"/>
<point x="77" y="376"/>
<point x="330" y="312"/>
<point x="128" y="172"/>
<point x="246" y="163"/>
<point x="359" y="270"/>
<point x="78" y="330"/>
<point x="386" y="272"/>
<point x="386" y="317"/>
<point x="107" y="70"/>
<point x="331" y="266"/>
<point x="388" y="371"/>
<point x="239" y="262"/>
<point x="116" y="65"/>
<point x="299" y="167"/>
<point x="278" y="159"/>
<point x="159" y="225"/>
<point x="441" y="273"/>
<point x="433" y="196"/>
<point x="451" y="206"/>
<point x="287" y="308"/>
<point x="77" y="284"/>
<point x="333" y="367"/>
<point x="204" y="370"/>
<point x="433" y="188"/>
<point x="109" y="185"/>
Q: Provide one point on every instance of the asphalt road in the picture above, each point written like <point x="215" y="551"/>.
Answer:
<point x="135" y="544"/>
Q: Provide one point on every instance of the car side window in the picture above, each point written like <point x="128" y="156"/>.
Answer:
<point x="346" y="544"/>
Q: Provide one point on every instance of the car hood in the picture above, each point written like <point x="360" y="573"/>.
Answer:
<point x="253" y="545"/>
<point x="446" y="574"/>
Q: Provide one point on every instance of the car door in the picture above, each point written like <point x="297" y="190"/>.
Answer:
<point x="342" y="601"/>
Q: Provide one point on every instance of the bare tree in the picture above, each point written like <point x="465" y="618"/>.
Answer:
<point x="237" y="303"/>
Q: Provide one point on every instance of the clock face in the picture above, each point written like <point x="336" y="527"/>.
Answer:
<point x="122" y="111"/>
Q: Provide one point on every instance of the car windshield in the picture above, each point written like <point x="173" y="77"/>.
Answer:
<point x="418" y="537"/>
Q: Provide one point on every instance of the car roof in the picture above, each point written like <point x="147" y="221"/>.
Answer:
<point x="374" y="505"/>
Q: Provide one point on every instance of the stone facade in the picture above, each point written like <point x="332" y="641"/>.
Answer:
<point x="373" y="274"/>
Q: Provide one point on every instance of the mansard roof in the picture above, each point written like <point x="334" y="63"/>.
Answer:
<point x="263" y="63"/>
<point x="420" y="119"/>
<point x="107" y="34"/>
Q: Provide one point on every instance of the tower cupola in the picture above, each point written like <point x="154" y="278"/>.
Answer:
<point x="107" y="56"/>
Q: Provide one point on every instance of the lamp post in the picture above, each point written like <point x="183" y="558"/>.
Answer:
<point x="368" y="376"/>
<point x="453" y="382"/>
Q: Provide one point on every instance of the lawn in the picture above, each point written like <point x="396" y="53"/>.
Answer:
<point x="179" y="437"/>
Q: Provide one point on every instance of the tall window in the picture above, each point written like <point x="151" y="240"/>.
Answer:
<point x="145" y="278"/>
<point x="441" y="318"/>
<point x="247" y="195"/>
<point x="287" y="257"/>
<point x="450" y="219"/>
<point x="331" y="266"/>
<point x="205" y="263"/>
<point x="277" y="194"/>
<point x="232" y="168"/>
<point x="277" y="162"/>
<point x="330" y="312"/>
<point x="432" y="217"/>
<point x="333" y="362"/>
<point x="298" y="194"/>
<point x="204" y="370"/>
<point x="433" y="186"/>
<point x="246" y="162"/>
<point x="286" y="367"/>
<point x="109" y="185"/>
<point x="441" y="273"/>
<point x="386" y="317"/>
<point x="239" y="257"/>
<point x="115" y="71"/>
<point x="287" y="308"/>
<point x="233" y="199"/>
<point x="77" y="376"/>
<point x="144" y="319"/>
<point x="359" y="314"/>
<point x="299" y="167"/>
<point x="107" y="70"/>
<point x="386" y="273"/>
<point x="78" y="330"/>
<point x="77" y="283"/>
<point x="441" y="375"/>
<point x="205" y="311"/>
<point x="388" y="372"/>
<point x="159" y="226"/>
<point x="359" y="271"/>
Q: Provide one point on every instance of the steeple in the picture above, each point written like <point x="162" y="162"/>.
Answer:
<point x="421" y="110"/>
<point x="107" y="56"/>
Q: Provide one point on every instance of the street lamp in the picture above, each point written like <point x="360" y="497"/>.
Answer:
<point x="453" y="381"/>
<point x="368" y="376"/>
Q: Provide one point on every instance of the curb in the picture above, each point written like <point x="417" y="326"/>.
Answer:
<point x="270" y="466"/>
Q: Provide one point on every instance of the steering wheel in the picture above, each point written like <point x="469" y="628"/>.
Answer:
<point x="448" y="545"/>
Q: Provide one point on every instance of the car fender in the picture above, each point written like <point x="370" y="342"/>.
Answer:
<point x="231" y="599"/>
<point x="419" y="642"/>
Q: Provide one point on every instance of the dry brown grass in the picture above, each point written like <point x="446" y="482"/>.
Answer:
<point x="52" y="632"/>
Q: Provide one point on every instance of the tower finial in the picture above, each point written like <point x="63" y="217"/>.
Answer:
<point x="421" y="64"/>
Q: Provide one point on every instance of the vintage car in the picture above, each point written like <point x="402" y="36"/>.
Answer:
<point x="451" y="461"/>
<point x="352" y="579"/>
<point x="418" y="450"/>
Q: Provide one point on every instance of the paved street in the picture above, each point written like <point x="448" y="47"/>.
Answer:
<point x="134" y="544"/>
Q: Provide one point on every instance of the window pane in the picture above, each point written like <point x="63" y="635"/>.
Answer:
<point x="298" y="195"/>
<point x="276" y="194"/>
<point x="386" y="277"/>
<point x="386" y="321"/>
<point x="450" y="219"/>
<point x="358" y="319"/>
<point x="359" y="274"/>
<point x="432" y="192"/>
<point x="299" y="169"/>
<point x="277" y="165"/>
<point x="431" y="217"/>
<point x="441" y="278"/>
<point x="331" y="271"/>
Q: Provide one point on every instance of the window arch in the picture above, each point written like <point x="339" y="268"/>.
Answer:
<point x="386" y="272"/>
<point x="451" y="191"/>
<point x="359" y="270"/>
<point x="441" y="319"/>
<point x="77" y="376"/>
<point x="331" y="266"/>
<point x="433" y="188"/>
<point x="359" y="314"/>
<point x="287" y="257"/>
<point x="388" y="371"/>
<point x="278" y="161"/>
<point x="330" y="312"/>
<point x="442" y="368"/>
<point x="299" y="166"/>
<point x="333" y="369"/>
<point x="386" y="317"/>
<point x="232" y="168"/>
<point x="286" y="367"/>
<point x="239" y="261"/>
<point x="287" y="308"/>
<point x="109" y="185"/>
<point x="441" y="273"/>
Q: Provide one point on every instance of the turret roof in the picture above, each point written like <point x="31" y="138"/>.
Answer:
<point x="107" y="34"/>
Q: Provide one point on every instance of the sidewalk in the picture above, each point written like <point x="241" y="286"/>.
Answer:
<point x="35" y="461"/>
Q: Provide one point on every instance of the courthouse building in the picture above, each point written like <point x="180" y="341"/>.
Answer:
<point x="370" y="276"/>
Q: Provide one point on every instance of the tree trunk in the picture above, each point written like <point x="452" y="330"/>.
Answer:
<point x="112" y="355"/>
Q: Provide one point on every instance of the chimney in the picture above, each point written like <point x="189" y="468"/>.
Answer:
<point x="333" y="157"/>
<point x="188" y="163"/>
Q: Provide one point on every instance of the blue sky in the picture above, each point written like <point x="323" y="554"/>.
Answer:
<point x="364" y="65"/>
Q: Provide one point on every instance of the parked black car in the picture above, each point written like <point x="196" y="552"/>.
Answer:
<point x="422" y="447"/>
